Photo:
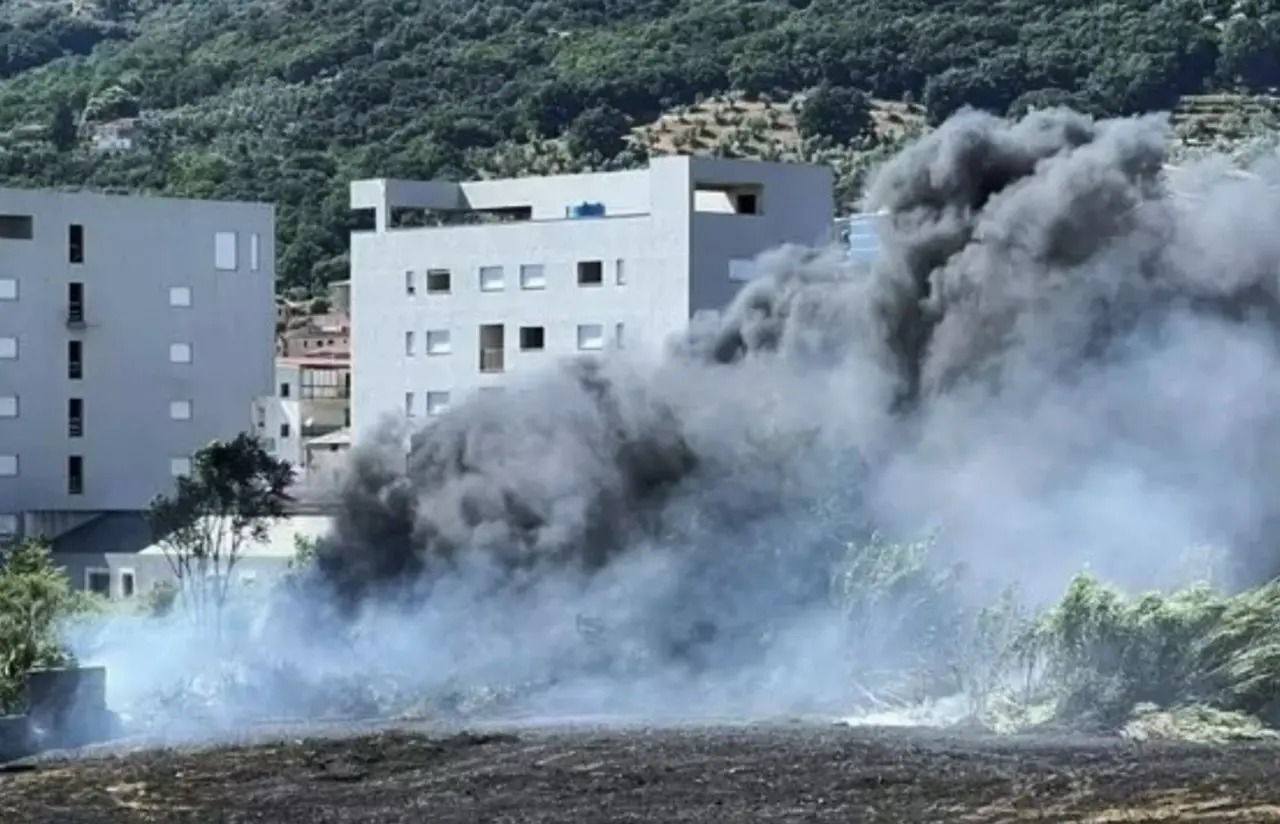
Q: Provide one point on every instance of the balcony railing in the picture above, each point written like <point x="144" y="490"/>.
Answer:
<point x="75" y="428"/>
<point x="324" y="393"/>
<point x="75" y="314"/>
<point x="492" y="360"/>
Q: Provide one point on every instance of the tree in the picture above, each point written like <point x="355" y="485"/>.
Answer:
<point x="839" y="113"/>
<point x="62" y="130"/>
<point x="235" y="491"/>
<point x="600" y="130"/>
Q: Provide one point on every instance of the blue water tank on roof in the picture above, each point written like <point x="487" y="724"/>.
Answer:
<point x="585" y="209"/>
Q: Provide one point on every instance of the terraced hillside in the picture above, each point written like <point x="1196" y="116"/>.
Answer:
<point x="286" y="100"/>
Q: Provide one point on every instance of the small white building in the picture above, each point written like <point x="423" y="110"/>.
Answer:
<point x="546" y="267"/>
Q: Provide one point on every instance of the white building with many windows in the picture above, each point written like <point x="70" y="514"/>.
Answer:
<point x="545" y="267"/>
<point x="132" y="332"/>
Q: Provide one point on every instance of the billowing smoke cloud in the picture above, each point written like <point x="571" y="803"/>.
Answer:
<point x="1065" y="356"/>
<point x="1048" y="312"/>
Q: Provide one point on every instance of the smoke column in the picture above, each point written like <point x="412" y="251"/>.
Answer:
<point x="1066" y="355"/>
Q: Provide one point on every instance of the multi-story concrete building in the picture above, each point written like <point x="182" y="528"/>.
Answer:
<point x="312" y="401"/>
<point x="551" y="266"/>
<point x="132" y="332"/>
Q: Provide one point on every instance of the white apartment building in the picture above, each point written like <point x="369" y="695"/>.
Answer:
<point x="565" y="264"/>
<point x="132" y="332"/>
<point x="311" y="401"/>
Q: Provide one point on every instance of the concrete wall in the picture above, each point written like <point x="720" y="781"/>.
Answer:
<point x="136" y="250"/>
<point x="797" y="206"/>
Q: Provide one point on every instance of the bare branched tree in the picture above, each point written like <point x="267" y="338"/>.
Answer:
<point x="235" y="491"/>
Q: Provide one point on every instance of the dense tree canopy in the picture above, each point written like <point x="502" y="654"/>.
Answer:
<point x="285" y="101"/>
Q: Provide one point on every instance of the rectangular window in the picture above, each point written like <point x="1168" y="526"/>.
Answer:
<point x="179" y="295"/>
<point x="439" y="342"/>
<point x="491" y="279"/>
<point x="16" y="227"/>
<point x="408" y="343"/>
<point x="179" y="353"/>
<point x="590" y="273"/>
<point x="180" y="410"/>
<point x="533" y="276"/>
<point x="439" y="282"/>
<point x="75" y="303"/>
<point x="8" y="466"/>
<point x="8" y="288"/>
<point x="75" y="243"/>
<point x="75" y="474"/>
<point x="590" y="336"/>
<point x="75" y="417"/>
<point x="533" y="338"/>
<point x="128" y="583"/>
<point x="284" y="389"/>
<point x="8" y="406"/>
<point x="179" y="467"/>
<point x="620" y="272"/>
<point x="408" y="404"/>
<point x="98" y="581"/>
<point x="75" y="360"/>
<point x="254" y="253"/>
<point x="285" y="429"/>
<point x="437" y="403"/>
<point x="410" y="288"/>
<point x="8" y="348"/>
<point x="224" y="251"/>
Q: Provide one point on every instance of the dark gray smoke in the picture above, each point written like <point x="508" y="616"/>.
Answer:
<point x="1066" y="355"/>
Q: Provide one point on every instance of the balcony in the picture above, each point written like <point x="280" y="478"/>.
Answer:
<point x="75" y="315"/>
<point x="492" y="360"/>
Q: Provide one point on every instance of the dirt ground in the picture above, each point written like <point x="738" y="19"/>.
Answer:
<point x="801" y="773"/>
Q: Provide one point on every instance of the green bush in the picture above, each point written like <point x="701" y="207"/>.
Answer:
<point x="35" y="598"/>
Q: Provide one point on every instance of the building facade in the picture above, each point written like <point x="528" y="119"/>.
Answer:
<point x="312" y="401"/>
<point x="132" y="332"/>
<point x="553" y="266"/>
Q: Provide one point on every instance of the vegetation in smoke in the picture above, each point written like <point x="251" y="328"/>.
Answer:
<point x="1156" y="663"/>
<point x="287" y="101"/>
<point x="235" y="491"/>
<point x="35" y="599"/>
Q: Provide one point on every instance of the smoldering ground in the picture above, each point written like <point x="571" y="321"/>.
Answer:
<point x="1066" y="356"/>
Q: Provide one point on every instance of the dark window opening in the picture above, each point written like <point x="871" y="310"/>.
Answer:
<point x="99" y="583"/>
<point x="75" y="243"/>
<point x="532" y="338"/>
<point x="75" y="303"/>
<point x="284" y="390"/>
<point x="75" y="360"/>
<point x="75" y="418"/>
<point x="439" y="281"/>
<point x="75" y="475"/>
<point x="591" y="273"/>
<point x="284" y="430"/>
<point x="16" y="227"/>
<point x="127" y="584"/>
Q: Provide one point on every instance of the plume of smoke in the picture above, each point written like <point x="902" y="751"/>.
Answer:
<point x="1065" y="356"/>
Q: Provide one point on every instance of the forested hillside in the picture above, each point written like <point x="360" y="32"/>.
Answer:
<point x="285" y="100"/>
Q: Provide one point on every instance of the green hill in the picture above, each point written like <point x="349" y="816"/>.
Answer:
<point x="285" y="100"/>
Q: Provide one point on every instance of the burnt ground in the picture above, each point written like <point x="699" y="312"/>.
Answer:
<point x="801" y="773"/>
